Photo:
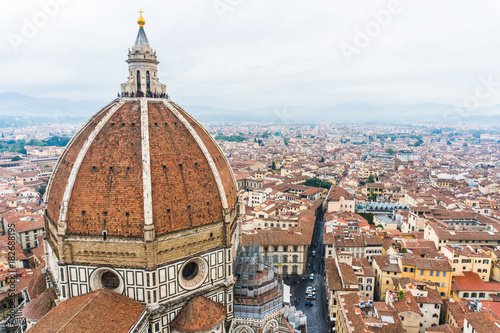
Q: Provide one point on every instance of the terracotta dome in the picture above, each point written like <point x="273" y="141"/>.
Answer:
<point x="137" y="162"/>
<point x="40" y="306"/>
<point x="199" y="314"/>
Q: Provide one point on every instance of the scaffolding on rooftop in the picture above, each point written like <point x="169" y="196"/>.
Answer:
<point x="258" y="288"/>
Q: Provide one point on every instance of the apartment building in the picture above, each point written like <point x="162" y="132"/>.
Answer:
<point x="468" y="258"/>
<point x="435" y="271"/>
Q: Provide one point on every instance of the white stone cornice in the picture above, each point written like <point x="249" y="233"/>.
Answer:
<point x="213" y="167"/>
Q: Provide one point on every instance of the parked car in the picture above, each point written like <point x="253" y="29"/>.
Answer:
<point x="313" y="253"/>
<point x="309" y="289"/>
<point x="311" y="296"/>
<point x="311" y="277"/>
<point x="309" y="303"/>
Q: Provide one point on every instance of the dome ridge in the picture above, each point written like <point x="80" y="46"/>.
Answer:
<point x="72" y="141"/>
<point x="76" y="167"/>
<point x="208" y="134"/>
<point x="203" y="148"/>
<point x="146" y="171"/>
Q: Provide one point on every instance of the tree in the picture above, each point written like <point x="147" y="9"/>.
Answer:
<point x="316" y="182"/>
<point x="46" y="166"/>
<point x="465" y="145"/>
<point x="418" y="143"/>
<point x="371" y="179"/>
<point x="380" y="226"/>
<point x="389" y="151"/>
<point x="448" y="143"/>
<point x="42" y="190"/>
<point x="322" y="160"/>
<point x="16" y="158"/>
<point x="232" y="138"/>
<point x="273" y="166"/>
<point x="372" y="195"/>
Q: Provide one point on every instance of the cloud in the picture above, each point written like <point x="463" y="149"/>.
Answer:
<point x="258" y="53"/>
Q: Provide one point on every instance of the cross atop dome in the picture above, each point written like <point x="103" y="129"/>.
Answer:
<point x="143" y="72"/>
<point x="141" y="21"/>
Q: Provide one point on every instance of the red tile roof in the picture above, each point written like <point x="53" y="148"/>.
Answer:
<point x="99" y="311"/>
<point x="472" y="282"/>
<point x="37" y="283"/>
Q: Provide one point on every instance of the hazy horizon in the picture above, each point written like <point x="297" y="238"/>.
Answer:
<point x="244" y="55"/>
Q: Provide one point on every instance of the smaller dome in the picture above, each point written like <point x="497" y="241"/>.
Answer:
<point x="199" y="314"/>
<point x="41" y="305"/>
<point x="37" y="283"/>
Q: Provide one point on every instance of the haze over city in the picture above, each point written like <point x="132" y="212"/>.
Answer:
<point x="250" y="54"/>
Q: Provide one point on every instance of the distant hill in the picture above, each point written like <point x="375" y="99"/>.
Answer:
<point x="19" y="105"/>
<point x="15" y="104"/>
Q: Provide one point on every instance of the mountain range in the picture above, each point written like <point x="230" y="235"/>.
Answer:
<point x="18" y="105"/>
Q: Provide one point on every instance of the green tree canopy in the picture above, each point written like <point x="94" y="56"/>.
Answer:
<point x="18" y="146"/>
<point x="42" y="190"/>
<point x="316" y="182"/>
<point x="231" y="138"/>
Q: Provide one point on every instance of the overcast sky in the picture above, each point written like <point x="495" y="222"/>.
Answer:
<point x="243" y="54"/>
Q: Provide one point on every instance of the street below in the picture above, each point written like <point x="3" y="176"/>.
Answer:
<point x="317" y="320"/>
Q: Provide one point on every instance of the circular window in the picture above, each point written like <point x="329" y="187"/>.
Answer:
<point x="193" y="273"/>
<point x="106" y="278"/>
<point x="110" y="280"/>
<point x="190" y="271"/>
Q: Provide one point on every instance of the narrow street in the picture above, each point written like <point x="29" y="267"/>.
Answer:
<point x="317" y="321"/>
